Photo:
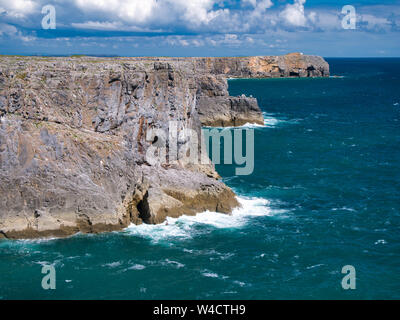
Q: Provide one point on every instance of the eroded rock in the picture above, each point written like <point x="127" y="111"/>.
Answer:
<point x="73" y="137"/>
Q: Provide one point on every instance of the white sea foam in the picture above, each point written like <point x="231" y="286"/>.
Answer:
<point x="250" y="126"/>
<point x="269" y="122"/>
<point x="239" y="283"/>
<point x="344" y="209"/>
<point x="36" y="241"/>
<point x="315" y="266"/>
<point x="210" y="274"/>
<point x="175" y="264"/>
<point x="55" y="263"/>
<point x="137" y="267"/>
<point x="134" y="266"/>
<point x="247" y="125"/>
<point x="184" y="226"/>
<point x="112" y="264"/>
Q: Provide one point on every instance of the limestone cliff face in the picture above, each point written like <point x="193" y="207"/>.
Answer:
<point x="217" y="108"/>
<point x="290" y="65"/>
<point x="73" y="139"/>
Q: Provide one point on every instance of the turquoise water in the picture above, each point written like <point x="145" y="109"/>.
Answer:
<point x="324" y="194"/>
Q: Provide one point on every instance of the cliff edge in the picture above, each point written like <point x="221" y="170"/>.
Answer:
<point x="74" y="137"/>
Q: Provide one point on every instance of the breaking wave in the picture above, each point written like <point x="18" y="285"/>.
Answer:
<point x="185" y="226"/>
<point x="269" y="122"/>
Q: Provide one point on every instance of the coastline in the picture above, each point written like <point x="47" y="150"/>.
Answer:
<point x="73" y="137"/>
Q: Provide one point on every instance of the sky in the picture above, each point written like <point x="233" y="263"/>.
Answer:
<point x="200" y="27"/>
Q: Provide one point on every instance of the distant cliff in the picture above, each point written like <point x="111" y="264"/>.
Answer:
<point x="217" y="108"/>
<point x="73" y="137"/>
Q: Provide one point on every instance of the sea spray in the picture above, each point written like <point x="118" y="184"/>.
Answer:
<point x="184" y="226"/>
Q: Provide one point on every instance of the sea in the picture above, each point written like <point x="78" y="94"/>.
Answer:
<point x="324" y="197"/>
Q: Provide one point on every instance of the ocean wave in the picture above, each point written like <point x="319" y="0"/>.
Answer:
<point x="175" y="264"/>
<point x="112" y="264"/>
<point x="244" y="126"/>
<point x="250" y="125"/>
<point x="210" y="274"/>
<point x="184" y="227"/>
<point x="344" y="209"/>
<point x="28" y="242"/>
<point x="269" y="122"/>
<point x="137" y="267"/>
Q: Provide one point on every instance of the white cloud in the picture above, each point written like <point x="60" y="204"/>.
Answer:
<point x="139" y="12"/>
<point x="293" y="14"/>
<point x="371" y="22"/>
<point x="17" y="8"/>
<point x="97" y="25"/>
<point x="332" y="21"/>
<point x="262" y="6"/>
<point x="6" y="29"/>
<point x="251" y="2"/>
<point x="323" y="20"/>
<point x="218" y="40"/>
<point x="259" y="8"/>
<point x="110" y="26"/>
<point x="210" y="23"/>
<point x="134" y="11"/>
<point x="196" y="11"/>
<point x="27" y="38"/>
<point x="231" y="39"/>
<point x="312" y="16"/>
<point x="13" y="32"/>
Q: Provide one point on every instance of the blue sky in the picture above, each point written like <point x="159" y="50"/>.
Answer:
<point x="200" y="28"/>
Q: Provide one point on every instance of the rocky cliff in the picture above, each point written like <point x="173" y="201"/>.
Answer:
<point x="74" y="133"/>
<point x="217" y="108"/>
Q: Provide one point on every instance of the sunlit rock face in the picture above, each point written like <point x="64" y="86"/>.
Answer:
<point x="74" y="137"/>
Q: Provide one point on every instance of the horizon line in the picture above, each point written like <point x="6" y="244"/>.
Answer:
<point x="168" y="56"/>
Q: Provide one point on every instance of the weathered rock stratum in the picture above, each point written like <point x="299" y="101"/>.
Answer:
<point x="73" y="137"/>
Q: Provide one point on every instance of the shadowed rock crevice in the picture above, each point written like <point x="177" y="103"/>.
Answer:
<point x="144" y="209"/>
